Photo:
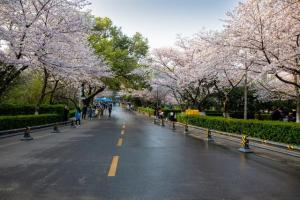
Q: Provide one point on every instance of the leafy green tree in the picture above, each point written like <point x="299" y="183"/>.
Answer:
<point x="124" y="55"/>
<point x="25" y="90"/>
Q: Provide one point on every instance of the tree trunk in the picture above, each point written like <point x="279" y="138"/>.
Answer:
<point x="9" y="78"/>
<point x="87" y="101"/>
<point x="246" y="95"/>
<point x="51" y="101"/>
<point x="298" y="109"/>
<point x="43" y="92"/>
<point x="226" y="107"/>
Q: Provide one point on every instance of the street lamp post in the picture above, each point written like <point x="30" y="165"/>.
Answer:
<point x="156" y="110"/>
<point x="186" y="127"/>
<point x="157" y="101"/>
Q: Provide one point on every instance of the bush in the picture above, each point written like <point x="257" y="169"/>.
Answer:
<point x="21" y="121"/>
<point x="52" y="109"/>
<point x="151" y="111"/>
<point x="72" y="113"/>
<point x="240" y="115"/>
<point x="263" y="116"/>
<point x="285" y="132"/>
<point x="167" y="112"/>
<point x="13" y="109"/>
<point x="148" y="111"/>
<point x="237" y="115"/>
<point x="213" y="113"/>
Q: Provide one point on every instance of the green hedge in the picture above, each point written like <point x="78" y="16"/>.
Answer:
<point x="285" y="132"/>
<point x="151" y="111"/>
<point x="213" y="113"/>
<point x="238" y="115"/>
<point x="13" y="109"/>
<point x="148" y="111"/>
<point x="21" y="121"/>
<point x="167" y="111"/>
<point x="263" y="116"/>
<point x="72" y="113"/>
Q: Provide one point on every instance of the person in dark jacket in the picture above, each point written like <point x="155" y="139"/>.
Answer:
<point x="276" y="115"/>
<point x="90" y="112"/>
<point x="84" y="111"/>
<point x="66" y="113"/>
<point x="109" y="110"/>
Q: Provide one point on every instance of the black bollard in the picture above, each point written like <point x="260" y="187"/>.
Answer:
<point x="55" y="129"/>
<point x="245" y="145"/>
<point x="73" y="124"/>
<point x="27" y="135"/>
<point x="208" y="135"/>
<point x="186" y="129"/>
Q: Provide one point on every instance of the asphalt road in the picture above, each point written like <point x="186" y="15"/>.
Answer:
<point x="144" y="161"/>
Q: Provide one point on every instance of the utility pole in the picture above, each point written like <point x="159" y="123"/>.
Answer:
<point x="157" y="103"/>
<point x="156" y="109"/>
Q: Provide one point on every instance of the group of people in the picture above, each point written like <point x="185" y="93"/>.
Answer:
<point x="281" y="114"/>
<point x="96" y="111"/>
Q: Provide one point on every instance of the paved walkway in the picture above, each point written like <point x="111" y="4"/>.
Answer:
<point x="100" y="161"/>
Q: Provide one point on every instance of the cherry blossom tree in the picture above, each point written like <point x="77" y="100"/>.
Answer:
<point x="232" y="66"/>
<point x="270" y="29"/>
<point x="49" y="36"/>
<point x="183" y="71"/>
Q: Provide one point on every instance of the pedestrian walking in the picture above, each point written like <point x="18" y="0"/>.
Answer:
<point x="66" y="113"/>
<point x="109" y="110"/>
<point x="161" y="114"/>
<point x="105" y="108"/>
<point x="97" y="112"/>
<point x="90" y="113"/>
<point x="78" y="117"/>
<point x="172" y="116"/>
<point x="84" y="111"/>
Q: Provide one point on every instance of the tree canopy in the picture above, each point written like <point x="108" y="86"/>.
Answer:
<point x="124" y="55"/>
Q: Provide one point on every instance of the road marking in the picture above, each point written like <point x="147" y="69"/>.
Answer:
<point x="120" y="142"/>
<point x="122" y="132"/>
<point x="5" y="145"/>
<point x="35" y="137"/>
<point x="42" y="136"/>
<point x="113" y="166"/>
<point x="123" y="126"/>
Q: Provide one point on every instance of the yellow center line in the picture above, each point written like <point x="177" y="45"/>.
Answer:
<point x="120" y="142"/>
<point x="113" y="166"/>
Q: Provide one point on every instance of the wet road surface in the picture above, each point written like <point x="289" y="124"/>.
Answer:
<point x="128" y="157"/>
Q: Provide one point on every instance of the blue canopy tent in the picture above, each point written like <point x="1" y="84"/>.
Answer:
<point x="103" y="100"/>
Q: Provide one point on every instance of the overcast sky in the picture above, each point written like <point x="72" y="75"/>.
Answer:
<point x="161" y="20"/>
